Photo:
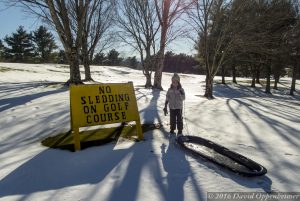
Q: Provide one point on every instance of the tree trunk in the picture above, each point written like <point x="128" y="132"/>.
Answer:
<point x="268" y="84"/>
<point x="86" y="65"/>
<point x="75" y="77"/>
<point x="147" y="67"/>
<point x="148" y="81"/>
<point x="234" y="74"/>
<point x="293" y="85"/>
<point x="276" y="72"/>
<point x="253" y="70"/>
<point x="223" y="75"/>
<point x="209" y="86"/>
<point x="159" y="69"/>
<point x="276" y="82"/>
<point x="86" y="61"/>
<point x="165" y="24"/>
<point x="87" y="70"/>
<point x="257" y="75"/>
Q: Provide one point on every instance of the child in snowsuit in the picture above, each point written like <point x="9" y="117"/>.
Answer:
<point x="175" y="97"/>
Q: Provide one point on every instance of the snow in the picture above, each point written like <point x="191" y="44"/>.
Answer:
<point x="34" y="106"/>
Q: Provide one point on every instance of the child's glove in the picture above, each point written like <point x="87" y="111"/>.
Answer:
<point x="165" y="111"/>
<point x="181" y="91"/>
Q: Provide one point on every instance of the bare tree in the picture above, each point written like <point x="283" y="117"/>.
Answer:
<point x="100" y="17"/>
<point x="168" y="11"/>
<point x="58" y="14"/>
<point x="295" y="42"/>
<point x="217" y="36"/>
<point x="138" y="23"/>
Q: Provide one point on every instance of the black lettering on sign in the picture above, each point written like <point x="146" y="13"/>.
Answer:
<point x="123" y="115"/>
<point x="103" y="117"/>
<point x="104" y="89"/>
<point x="113" y="107"/>
<point x="83" y="102"/>
<point x="109" y="116"/>
<point x="104" y="99"/>
<point x="110" y="98"/>
<point x="126" y="97"/>
<point x="126" y="105"/>
<point x="106" y="108"/>
<point x="86" y="109"/>
<point x="97" y="99"/>
<point x="119" y="106"/>
<point x="96" y="118"/>
<point x="93" y="109"/>
<point x="90" y="100"/>
<point x="88" y="119"/>
<point x="117" y="116"/>
<point x="90" y="109"/>
<point x="121" y="97"/>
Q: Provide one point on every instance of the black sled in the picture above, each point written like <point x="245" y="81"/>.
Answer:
<point x="221" y="156"/>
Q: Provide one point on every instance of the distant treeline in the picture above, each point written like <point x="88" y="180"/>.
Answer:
<point x="40" y="46"/>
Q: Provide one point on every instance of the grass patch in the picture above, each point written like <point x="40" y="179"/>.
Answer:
<point x="4" y="69"/>
<point x="57" y="71"/>
<point x="64" y="66"/>
<point x="57" y="86"/>
<point x="96" y="137"/>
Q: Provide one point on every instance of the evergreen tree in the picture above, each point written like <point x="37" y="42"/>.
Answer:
<point x="61" y="58"/>
<point x="1" y="50"/>
<point x="99" y="59"/>
<point x="20" y="47"/>
<point x="130" y="62"/>
<point x="133" y="63"/>
<point x="44" y="42"/>
<point x="113" y="58"/>
<point x="180" y="63"/>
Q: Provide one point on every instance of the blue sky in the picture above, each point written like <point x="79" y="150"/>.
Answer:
<point x="11" y="18"/>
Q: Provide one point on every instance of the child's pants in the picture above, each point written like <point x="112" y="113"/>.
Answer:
<point x="176" y="118"/>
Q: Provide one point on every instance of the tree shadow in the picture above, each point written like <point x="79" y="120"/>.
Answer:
<point x="54" y="169"/>
<point x="7" y="88"/>
<point x="241" y="91"/>
<point x="237" y="91"/>
<point x="271" y="110"/>
<point x="287" y="133"/>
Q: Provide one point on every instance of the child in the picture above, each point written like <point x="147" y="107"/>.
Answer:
<point x="175" y="97"/>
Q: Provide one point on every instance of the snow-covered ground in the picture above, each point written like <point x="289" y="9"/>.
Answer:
<point x="34" y="106"/>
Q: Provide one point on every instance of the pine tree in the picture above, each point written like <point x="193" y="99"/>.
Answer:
<point x="1" y="50"/>
<point x="99" y="59"/>
<point x="113" y="58"/>
<point x="20" y="47"/>
<point x="45" y="43"/>
<point x="61" y="57"/>
<point x="133" y="63"/>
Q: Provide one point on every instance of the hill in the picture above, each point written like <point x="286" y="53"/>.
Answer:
<point x="34" y="104"/>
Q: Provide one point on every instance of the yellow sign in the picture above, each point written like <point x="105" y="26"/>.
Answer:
<point x="98" y="104"/>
